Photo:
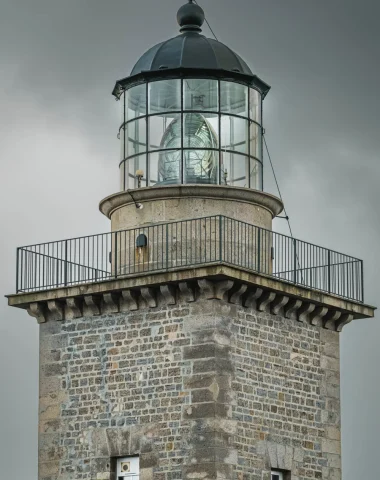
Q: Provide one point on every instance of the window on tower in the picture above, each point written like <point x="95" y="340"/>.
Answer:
<point x="127" y="467"/>
<point x="280" y="475"/>
<point x="277" y="476"/>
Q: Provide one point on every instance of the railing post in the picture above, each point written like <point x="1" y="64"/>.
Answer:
<point x="294" y="260"/>
<point x="362" y="280"/>
<point x="258" y="249"/>
<point x="220" y="238"/>
<point x="329" y="271"/>
<point x="58" y="261"/>
<point x="22" y="260"/>
<point x="115" y="263"/>
<point x="17" y="268"/>
<point x="65" y="271"/>
<point x="167" y="246"/>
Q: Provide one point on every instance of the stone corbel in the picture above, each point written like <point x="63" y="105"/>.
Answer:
<point x="110" y="303"/>
<point x="330" y="318"/>
<point x="236" y="296"/>
<point x="169" y="294"/>
<point x="128" y="301"/>
<point x="265" y="300"/>
<point x="73" y="308"/>
<point x="149" y="296"/>
<point x="222" y="288"/>
<point x="345" y="319"/>
<point x="187" y="291"/>
<point x="304" y="311"/>
<point x="317" y="315"/>
<point x="56" y="311"/>
<point x="278" y="303"/>
<point x="252" y="297"/>
<point x="215" y="290"/>
<point x="38" y="311"/>
<point x="91" y="306"/>
<point x="292" y="307"/>
<point x="206" y="288"/>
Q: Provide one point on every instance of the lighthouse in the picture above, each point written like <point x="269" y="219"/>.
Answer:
<point x="191" y="341"/>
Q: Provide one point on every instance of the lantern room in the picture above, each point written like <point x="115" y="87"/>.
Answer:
<point x="191" y="113"/>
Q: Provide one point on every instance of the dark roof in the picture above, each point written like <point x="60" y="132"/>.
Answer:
<point x="191" y="50"/>
<point x="191" y="53"/>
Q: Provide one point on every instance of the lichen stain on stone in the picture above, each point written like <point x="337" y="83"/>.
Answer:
<point x="197" y="475"/>
<point x="169" y="446"/>
<point x="214" y="388"/>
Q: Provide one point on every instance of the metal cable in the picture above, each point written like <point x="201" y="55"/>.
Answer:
<point x="209" y="26"/>
<point x="278" y="187"/>
<point x="286" y="215"/>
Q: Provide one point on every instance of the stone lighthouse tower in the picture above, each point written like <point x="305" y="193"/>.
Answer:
<point x="190" y="342"/>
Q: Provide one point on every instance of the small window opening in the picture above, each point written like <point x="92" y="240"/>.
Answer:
<point x="277" y="476"/>
<point x="142" y="252"/>
<point x="128" y="468"/>
<point x="280" y="475"/>
<point x="141" y="241"/>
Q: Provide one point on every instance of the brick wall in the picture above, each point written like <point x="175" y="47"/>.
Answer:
<point x="199" y="390"/>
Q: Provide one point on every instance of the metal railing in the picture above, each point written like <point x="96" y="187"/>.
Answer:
<point x="187" y="243"/>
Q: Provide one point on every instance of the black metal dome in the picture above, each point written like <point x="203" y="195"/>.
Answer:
<point x="191" y="52"/>
<point x="190" y="49"/>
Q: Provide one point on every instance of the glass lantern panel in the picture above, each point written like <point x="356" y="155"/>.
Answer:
<point x="123" y="100"/>
<point x="254" y="105"/>
<point x="256" y="174"/>
<point x="135" y="102"/>
<point x="132" y="165"/>
<point x="165" y="131"/>
<point x="255" y="141"/>
<point x="234" y="169"/>
<point x="121" y="136"/>
<point x="234" y="98"/>
<point x="135" y="137"/>
<point x="126" y="180"/>
<point x="122" y="176"/>
<point x="234" y="134"/>
<point x="201" y="166"/>
<point x="165" y="96"/>
<point x="169" y="165"/>
<point x="200" y="130"/>
<point x="153" y="159"/>
<point x="200" y="94"/>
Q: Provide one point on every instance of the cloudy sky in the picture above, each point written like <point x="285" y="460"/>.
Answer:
<point x="59" y="156"/>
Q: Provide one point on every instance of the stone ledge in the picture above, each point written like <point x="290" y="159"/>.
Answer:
<point x="211" y="192"/>
<point x="222" y="282"/>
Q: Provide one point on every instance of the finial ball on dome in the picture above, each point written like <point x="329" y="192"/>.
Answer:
<point x="190" y="17"/>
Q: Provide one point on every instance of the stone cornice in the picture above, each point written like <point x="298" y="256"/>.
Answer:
<point x="210" y="192"/>
<point x="220" y="282"/>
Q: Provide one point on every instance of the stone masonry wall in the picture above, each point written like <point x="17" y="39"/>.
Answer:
<point x="199" y="390"/>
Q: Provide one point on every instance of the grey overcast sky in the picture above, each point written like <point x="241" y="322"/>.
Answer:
<point x="59" y="157"/>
